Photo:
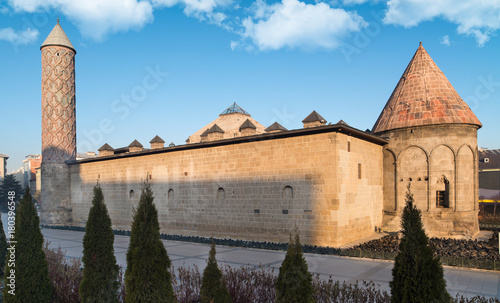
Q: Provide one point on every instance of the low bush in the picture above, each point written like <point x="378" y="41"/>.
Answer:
<point x="245" y="284"/>
<point x="64" y="275"/>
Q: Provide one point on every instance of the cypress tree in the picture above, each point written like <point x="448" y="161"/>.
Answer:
<point x="147" y="278"/>
<point x="30" y="268"/>
<point x="3" y="248"/>
<point x="294" y="282"/>
<point x="213" y="286"/>
<point x="9" y="184"/>
<point x="100" y="271"/>
<point x="417" y="275"/>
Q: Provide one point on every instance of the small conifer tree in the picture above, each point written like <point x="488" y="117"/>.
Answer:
<point x="294" y="282"/>
<point x="3" y="248"/>
<point x="417" y="275"/>
<point x="100" y="271"/>
<point x="147" y="278"/>
<point x="213" y="287"/>
<point x="30" y="267"/>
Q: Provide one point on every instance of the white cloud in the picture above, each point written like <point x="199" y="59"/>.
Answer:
<point x="295" y="24"/>
<point x="445" y="40"/>
<point x="201" y="9"/>
<point x="353" y="2"/>
<point x="95" y="18"/>
<point x="474" y="18"/>
<point x="18" y="37"/>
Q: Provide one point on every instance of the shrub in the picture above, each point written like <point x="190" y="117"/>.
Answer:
<point x="65" y="276"/>
<point x="294" y="279"/>
<point x="213" y="286"/>
<point x="147" y="278"/>
<point x="100" y="272"/>
<point x="186" y="283"/>
<point x="417" y="275"/>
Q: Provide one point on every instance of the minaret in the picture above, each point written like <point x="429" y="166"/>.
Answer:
<point x="58" y="125"/>
<point x="58" y="98"/>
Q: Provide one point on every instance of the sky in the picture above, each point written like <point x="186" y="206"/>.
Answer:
<point x="169" y="67"/>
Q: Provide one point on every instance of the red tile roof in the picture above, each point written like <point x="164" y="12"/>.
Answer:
<point x="423" y="96"/>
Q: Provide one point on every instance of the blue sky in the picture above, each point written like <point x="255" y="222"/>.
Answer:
<point x="169" y="67"/>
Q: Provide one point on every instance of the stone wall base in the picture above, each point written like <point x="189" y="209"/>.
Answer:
<point x="56" y="195"/>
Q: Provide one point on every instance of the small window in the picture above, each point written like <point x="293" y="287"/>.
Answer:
<point x="359" y="170"/>
<point x="131" y="194"/>
<point x="288" y="192"/>
<point x="441" y="198"/>
<point x="170" y="194"/>
<point x="284" y="211"/>
<point x="349" y="146"/>
<point x="486" y="160"/>
<point x="221" y="194"/>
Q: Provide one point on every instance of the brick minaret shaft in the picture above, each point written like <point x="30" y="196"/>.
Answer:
<point x="58" y="125"/>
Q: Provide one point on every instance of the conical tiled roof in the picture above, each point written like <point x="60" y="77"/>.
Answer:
<point x="247" y="124"/>
<point x="313" y="117"/>
<point x="58" y="37"/>
<point x="423" y="96"/>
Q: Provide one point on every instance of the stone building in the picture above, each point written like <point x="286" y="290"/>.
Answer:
<point x="432" y="136"/>
<point x="489" y="174"/>
<point x="236" y="178"/>
<point x="3" y="166"/>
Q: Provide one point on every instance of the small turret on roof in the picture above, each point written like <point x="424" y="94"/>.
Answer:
<point x="215" y="129"/>
<point x="135" y="146"/>
<point x="314" y="119"/>
<point x="214" y="133"/>
<point x="247" y="124"/>
<point x="57" y="37"/>
<point x="157" y="142"/>
<point x="276" y="127"/>
<point x="247" y="128"/>
<point x="106" y="150"/>
<point x="341" y="122"/>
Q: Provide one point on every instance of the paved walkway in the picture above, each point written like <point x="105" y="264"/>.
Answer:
<point x="466" y="282"/>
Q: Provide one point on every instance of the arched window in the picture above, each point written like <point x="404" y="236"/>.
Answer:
<point x="288" y="192"/>
<point x="443" y="194"/>
<point x="131" y="194"/>
<point x="170" y="194"/>
<point x="221" y="193"/>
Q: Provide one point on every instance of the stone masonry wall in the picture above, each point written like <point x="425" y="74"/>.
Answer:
<point x="253" y="190"/>
<point x="434" y="158"/>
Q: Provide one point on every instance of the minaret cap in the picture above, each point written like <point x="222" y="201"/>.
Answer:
<point x="58" y="37"/>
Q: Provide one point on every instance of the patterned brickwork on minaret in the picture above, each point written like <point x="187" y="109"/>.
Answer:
<point x="58" y="126"/>
<point x="58" y="98"/>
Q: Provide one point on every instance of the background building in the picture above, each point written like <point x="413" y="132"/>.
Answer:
<point x="30" y="165"/>
<point x="3" y="165"/>
<point x="489" y="179"/>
